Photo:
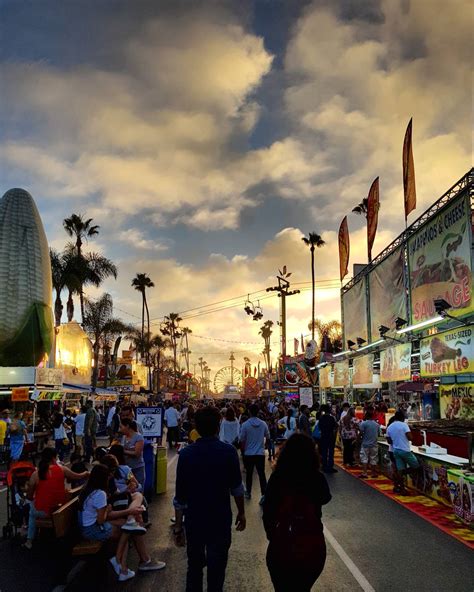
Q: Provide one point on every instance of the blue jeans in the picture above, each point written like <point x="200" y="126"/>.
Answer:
<point x="97" y="532"/>
<point x="212" y="551"/>
<point x="61" y="448"/>
<point x="34" y="513"/>
<point x="326" y="448"/>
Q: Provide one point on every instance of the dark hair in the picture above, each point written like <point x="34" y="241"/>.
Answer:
<point x="99" y="453"/>
<point x="399" y="416"/>
<point x="254" y="410"/>
<point x="118" y="451"/>
<point x="110" y="461"/>
<point x="126" y="408"/>
<point x="129" y="423"/>
<point x="346" y="404"/>
<point x="47" y="455"/>
<point x="58" y="420"/>
<point x="207" y="421"/>
<point x="324" y="408"/>
<point x="298" y="462"/>
<point x="230" y="414"/>
<point x="369" y="414"/>
<point x="98" y="479"/>
<point x="303" y="408"/>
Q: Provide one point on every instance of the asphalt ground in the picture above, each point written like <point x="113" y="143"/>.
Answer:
<point x="373" y="544"/>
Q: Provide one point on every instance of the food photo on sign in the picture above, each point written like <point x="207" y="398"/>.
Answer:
<point x="456" y="401"/>
<point x="439" y="256"/>
<point x="448" y="353"/>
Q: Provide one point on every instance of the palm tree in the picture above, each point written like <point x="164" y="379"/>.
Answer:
<point x="82" y="229"/>
<point x="141" y="282"/>
<point x="362" y="208"/>
<point x="158" y="345"/>
<point x="57" y="272"/>
<point x="313" y="240"/>
<point x="98" y="323"/>
<point x="81" y="270"/>
<point x="329" y="334"/>
<point x="170" y="328"/>
<point x="113" y="330"/>
<point x="266" y="333"/>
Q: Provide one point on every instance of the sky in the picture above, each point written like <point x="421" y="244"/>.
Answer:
<point x="207" y="137"/>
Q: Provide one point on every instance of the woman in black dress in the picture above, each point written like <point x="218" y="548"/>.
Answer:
<point x="292" y="517"/>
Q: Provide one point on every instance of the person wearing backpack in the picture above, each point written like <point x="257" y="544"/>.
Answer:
<point x="295" y="493"/>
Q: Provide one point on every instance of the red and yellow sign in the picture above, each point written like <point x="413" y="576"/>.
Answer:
<point x="20" y="394"/>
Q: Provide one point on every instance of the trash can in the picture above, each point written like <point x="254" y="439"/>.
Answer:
<point x="161" y="469"/>
<point x="149" y="459"/>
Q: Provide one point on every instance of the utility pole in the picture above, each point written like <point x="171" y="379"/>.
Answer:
<point x="283" y="290"/>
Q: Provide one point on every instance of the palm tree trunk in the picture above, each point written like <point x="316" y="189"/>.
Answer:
<point x="314" y="290"/>
<point x="81" y="291"/>
<point x="106" y="367"/>
<point x="58" y="309"/>
<point x="70" y="307"/>
<point x="143" y="323"/>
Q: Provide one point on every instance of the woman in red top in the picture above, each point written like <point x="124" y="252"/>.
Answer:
<point x="46" y="489"/>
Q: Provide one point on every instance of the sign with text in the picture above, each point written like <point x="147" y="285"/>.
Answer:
<point x="456" y="401"/>
<point x="395" y="363"/>
<point x="448" y="353"/>
<point x="439" y="257"/>
<point x="306" y="396"/>
<point x="151" y="421"/>
<point x="49" y="377"/>
<point x="20" y="394"/>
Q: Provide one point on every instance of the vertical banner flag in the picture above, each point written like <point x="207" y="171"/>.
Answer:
<point x="296" y="343"/>
<point x="302" y="344"/>
<point x="373" y="205"/>
<point x="344" y="249"/>
<point x="408" y="172"/>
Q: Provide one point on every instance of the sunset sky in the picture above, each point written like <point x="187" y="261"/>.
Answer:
<point x="207" y="137"/>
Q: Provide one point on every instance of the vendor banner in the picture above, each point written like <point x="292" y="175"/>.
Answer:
<point x="395" y="363"/>
<point x="341" y="373"/>
<point x="326" y="378"/>
<point x="448" y="353"/>
<point x="456" y="401"/>
<point x="439" y="257"/>
<point x="354" y="310"/>
<point x="363" y="370"/>
<point x="387" y="294"/>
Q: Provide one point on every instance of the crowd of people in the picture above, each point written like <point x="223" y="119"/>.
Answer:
<point x="212" y="437"/>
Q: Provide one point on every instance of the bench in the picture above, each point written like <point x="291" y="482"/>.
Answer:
<point x="70" y="495"/>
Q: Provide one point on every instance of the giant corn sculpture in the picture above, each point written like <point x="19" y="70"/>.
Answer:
<point x="26" y="318"/>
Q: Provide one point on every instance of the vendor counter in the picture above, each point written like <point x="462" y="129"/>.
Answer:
<point x="442" y="477"/>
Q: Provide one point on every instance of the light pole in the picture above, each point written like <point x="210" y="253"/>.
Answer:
<point x="283" y="290"/>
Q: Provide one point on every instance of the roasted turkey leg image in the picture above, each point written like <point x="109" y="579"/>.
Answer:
<point x="440" y="351"/>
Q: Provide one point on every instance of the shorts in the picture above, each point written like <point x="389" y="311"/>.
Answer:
<point x="369" y="455"/>
<point x="405" y="459"/>
<point x="97" y="532"/>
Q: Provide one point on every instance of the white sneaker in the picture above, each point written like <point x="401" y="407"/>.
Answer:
<point x="123" y="577"/>
<point x="115" y="564"/>
<point x="133" y="527"/>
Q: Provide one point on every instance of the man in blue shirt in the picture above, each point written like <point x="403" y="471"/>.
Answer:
<point x="208" y="473"/>
<point x="252" y="439"/>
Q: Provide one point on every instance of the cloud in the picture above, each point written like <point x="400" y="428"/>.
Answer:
<point x="135" y="238"/>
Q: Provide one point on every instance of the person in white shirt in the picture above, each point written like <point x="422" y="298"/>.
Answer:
<point x="290" y="424"/>
<point x="172" y="420"/>
<point x="110" y="414"/>
<point x="80" y="420"/>
<point x="399" y="436"/>
<point x="230" y="428"/>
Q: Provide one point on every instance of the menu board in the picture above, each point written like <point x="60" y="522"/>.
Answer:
<point x="341" y="373"/>
<point x="363" y="370"/>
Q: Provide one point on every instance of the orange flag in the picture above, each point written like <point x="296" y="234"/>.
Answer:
<point x="344" y="249"/>
<point x="372" y="215"/>
<point x="408" y="172"/>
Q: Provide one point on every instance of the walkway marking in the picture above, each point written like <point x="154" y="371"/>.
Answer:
<point x="4" y="489"/>
<point x="351" y="566"/>
<point x="170" y="462"/>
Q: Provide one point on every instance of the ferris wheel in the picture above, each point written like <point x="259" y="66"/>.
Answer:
<point x="225" y="377"/>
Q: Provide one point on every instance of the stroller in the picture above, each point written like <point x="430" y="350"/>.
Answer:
<point x="17" y="505"/>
